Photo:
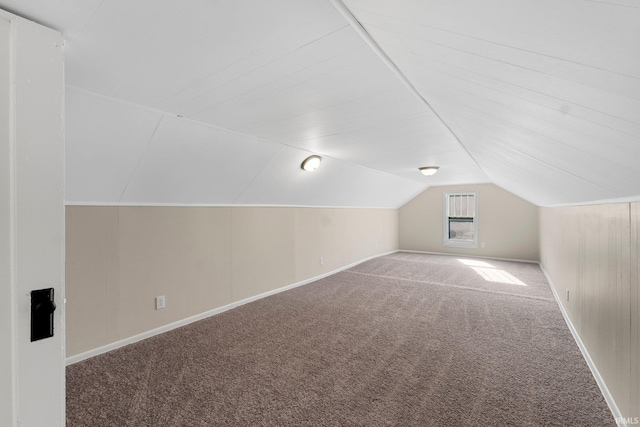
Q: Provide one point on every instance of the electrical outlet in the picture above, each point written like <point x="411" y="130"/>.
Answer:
<point x="321" y="261"/>
<point x="160" y="302"/>
<point x="482" y="245"/>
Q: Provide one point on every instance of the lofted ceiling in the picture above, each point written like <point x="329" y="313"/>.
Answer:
<point x="218" y="102"/>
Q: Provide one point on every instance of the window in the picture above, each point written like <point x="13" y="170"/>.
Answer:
<point x="461" y="220"/>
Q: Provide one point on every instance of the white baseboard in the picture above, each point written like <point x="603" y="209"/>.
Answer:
<point x="594" y="370"/>
<point x="470" y="256"/>
<point x="121" y="343"/>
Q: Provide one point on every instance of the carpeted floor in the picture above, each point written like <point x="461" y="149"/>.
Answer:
<point x="402" y="340"/>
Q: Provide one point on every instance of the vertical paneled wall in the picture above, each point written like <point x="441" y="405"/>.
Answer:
<point x="591" y="252"/>
<point x="120" y="258"/>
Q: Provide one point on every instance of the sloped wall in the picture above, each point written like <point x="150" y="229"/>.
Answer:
<point x="200" y="258"/>
<point x="593" y="252"/>
<point x="508" y="225"/>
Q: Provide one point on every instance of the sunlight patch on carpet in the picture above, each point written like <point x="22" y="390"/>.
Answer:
<point x="492" y="274"/>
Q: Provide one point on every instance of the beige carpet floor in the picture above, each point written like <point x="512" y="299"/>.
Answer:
<point x="402" y="340"/>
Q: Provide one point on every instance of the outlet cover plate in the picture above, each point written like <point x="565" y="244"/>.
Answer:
<point x="160" y="302"/>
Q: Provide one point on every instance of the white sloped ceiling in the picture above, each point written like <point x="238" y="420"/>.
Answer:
<point x="125" y="154"/>
<point x="217" y="102"/>
<point x="545" y="95"/>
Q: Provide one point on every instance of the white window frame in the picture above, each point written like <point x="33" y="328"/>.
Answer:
<point x="446" y="241"/>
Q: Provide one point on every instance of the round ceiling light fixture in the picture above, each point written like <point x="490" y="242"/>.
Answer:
<point x="311" y="163"/>
<point x="429" y="170"/>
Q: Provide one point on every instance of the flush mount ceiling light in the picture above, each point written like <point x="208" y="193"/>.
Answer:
<point x="311" y="163"/>
<point x="429" y="170"/>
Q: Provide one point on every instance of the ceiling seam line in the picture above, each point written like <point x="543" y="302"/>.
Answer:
<point x="177" y="93"/>
<point x="366" y="37"/>
<point x="466" y="36"/>
<point x="515" y="65"/>
<point x="522" y="98"/>
<point x="89" y="19"/>
<point x="110" y="98"/>
<point x="558" y="168"/>
<point x="257" y="174"/>
<point x="522" y="129"/>
<point x="531" y="90"/>
<point x="133" y="174"/>
<point x="256" y="69"/>
<point x="268" y="84"/>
